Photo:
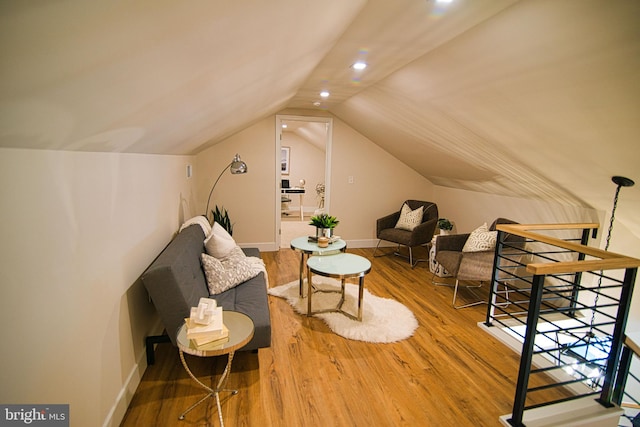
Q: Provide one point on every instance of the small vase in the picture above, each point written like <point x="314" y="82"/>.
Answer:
<point x="324" y="232"/>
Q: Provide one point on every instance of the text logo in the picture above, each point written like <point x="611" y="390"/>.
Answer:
<point x="34" y="415"/>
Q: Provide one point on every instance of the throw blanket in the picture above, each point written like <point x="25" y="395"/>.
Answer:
<point x="257" y="266"/>
<point x="201" y="221"/>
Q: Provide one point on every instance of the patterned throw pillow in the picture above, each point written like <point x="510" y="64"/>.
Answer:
<point x="409" y="219"/>
<point x="227" y="273"/>
<point x="481" y="239"/>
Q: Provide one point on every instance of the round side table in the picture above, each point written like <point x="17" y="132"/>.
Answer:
<point x="306" y="248"/>
<point x="240" y="333"/>
<point x="341" y="266"/>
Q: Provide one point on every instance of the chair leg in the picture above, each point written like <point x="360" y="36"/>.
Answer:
<point x="412" y="262"/>
<point x="507" y="301"/>
<point x="471" y="304"/>
<point x="376" y="249"/>
<point x="455" y="293"/>
<point x="441" y="282"/>
<point x="397" y="253"/>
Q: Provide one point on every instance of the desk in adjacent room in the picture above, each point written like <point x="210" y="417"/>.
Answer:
<point x="296" y="190"/>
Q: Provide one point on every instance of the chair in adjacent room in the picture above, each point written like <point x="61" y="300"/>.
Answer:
<point x="470" y="256"/>
<point x="413" y="225"/>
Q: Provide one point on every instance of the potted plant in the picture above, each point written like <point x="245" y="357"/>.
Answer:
<point x="445" y="225"/>
<point x="324" y="224"/>
<point x="221" y="216"/>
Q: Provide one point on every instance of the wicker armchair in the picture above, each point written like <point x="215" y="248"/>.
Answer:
<point x="468" y="266"/>
<point x="386" y="229"/>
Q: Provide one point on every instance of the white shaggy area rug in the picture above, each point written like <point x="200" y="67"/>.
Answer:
<point x="383" y="320"/>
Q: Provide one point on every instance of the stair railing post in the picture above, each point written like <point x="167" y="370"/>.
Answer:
<point x="577" y="278"/>
<point x="606" y="396"/>
<point x="493" y="288"/>
<point x="527" y="351"/>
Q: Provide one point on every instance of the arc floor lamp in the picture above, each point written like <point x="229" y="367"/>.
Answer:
<point x="236" y="167"/>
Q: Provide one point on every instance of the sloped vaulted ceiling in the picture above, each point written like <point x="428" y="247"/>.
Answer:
<point x="529" y="98"/>
<point x="531" y="102"/>
<point x="160" y="76"/>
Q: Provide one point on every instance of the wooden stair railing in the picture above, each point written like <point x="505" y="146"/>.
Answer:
<point x="591" y="261"/>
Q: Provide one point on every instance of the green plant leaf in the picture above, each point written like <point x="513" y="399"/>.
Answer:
<point x="445" y="224"/>
<point x="324" y="221"/>
<point x="221" y="216"/>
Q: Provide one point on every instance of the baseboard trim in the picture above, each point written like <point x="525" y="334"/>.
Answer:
<point x="123" y="400"/>
<point x="263" y="247"/>
<point x="366" y="243"/>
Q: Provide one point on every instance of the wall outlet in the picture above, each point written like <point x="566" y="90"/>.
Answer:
<point x="350" y="179"/>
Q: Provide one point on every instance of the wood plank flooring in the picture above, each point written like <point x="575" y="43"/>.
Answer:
<point x="450" y="373"/>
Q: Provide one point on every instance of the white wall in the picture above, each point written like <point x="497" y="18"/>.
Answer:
<point x="381" y="183"/>
<point x="469" y="209"/>
<point x="78" y="230"/>
<point x="249" y="198"/>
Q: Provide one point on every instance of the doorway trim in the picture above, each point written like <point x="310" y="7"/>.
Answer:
<point x="327" y="163"/>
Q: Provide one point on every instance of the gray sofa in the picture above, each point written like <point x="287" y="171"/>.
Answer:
<point x="176" y="282"/>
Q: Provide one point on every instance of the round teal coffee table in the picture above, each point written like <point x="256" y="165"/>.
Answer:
<point x="306" y="248"/>
<point x="340" y="266"/>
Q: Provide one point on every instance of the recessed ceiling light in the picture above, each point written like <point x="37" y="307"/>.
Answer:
<point x="360" y="65"/>
<point x="444" y="1"/>
<point x="284" y="126"/>
<point x="317" y="103"/>
<point x="324" y="94"/>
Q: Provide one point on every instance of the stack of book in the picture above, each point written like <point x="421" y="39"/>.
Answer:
<point x="206" y="324"/>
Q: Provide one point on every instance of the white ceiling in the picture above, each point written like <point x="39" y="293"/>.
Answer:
<point x="530" y="98"/>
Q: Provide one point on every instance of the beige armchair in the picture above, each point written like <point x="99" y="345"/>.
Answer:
<point x="387" y="230"/>
<point x="469" y="266"/>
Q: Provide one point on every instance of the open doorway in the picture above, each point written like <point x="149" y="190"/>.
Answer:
<point x="303" y="153"/>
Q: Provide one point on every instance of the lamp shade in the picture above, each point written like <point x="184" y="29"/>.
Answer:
<point x="237" y="166"/>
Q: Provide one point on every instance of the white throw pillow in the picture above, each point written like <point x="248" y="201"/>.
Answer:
<point x="409" y="219"/>
<point x="219" y="243"/>
<point x="481" y="239"/>
<point x="225" y="274"/>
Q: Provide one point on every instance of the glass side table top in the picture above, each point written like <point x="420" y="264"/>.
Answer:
<point x="339" y="265"/>
<point x="303" y="244"/>
<point x="240" y="333"/>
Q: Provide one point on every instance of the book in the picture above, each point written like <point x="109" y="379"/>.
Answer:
<point x="201" y="337"/>
<point x="212" y="333"/>
<point x="212" y="329"/>
<point x="212" y="340"/>
<point x="202" y="331"/>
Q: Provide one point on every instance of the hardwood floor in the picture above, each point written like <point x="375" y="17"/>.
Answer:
<point x="450" y="373"/>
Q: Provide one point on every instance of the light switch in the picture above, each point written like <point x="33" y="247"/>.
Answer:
<point x="350" y="179"/>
